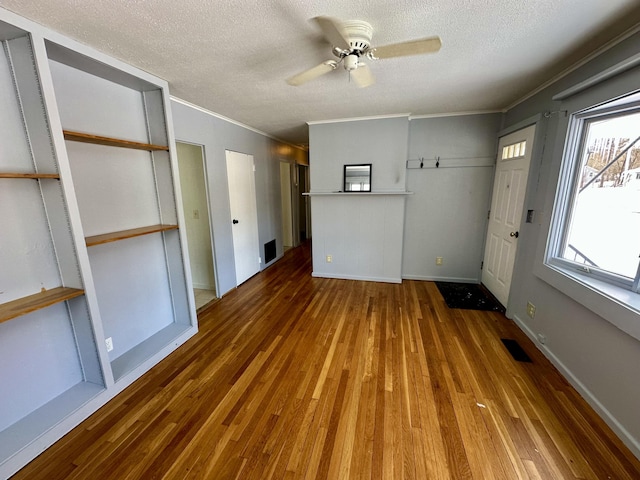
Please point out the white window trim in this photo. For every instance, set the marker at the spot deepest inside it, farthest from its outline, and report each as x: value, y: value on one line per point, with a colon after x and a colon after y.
x: 615, y: 304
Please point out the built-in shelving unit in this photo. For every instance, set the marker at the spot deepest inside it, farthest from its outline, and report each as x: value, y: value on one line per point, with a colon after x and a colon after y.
x: 49, y: 360
x: 114, y: 190
x: 31, y: 303
x: 116, y: 138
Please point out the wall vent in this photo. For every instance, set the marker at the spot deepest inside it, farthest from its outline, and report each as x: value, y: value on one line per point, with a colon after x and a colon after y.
x: 269, y: 251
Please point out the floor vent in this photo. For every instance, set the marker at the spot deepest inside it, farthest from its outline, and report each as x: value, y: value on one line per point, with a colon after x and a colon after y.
x: 516, y: 350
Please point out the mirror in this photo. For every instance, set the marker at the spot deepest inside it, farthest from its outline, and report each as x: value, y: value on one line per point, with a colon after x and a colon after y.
x: 357, y: 178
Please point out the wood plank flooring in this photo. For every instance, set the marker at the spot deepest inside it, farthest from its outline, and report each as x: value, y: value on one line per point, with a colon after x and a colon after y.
x: 294, y: 377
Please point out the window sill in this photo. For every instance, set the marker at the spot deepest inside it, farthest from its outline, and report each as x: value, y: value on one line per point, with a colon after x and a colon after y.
x: 617, y: 305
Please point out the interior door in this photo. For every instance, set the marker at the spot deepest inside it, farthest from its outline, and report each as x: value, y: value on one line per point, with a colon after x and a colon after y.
x: 244, y: 214
x: 285, y: 199
x: 509, y: 187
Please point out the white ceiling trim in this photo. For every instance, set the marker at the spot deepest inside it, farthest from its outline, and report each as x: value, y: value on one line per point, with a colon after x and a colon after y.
x: 611, y: 72
x: 359, y: 119
x: 234, y: 122
x: 454, y: 114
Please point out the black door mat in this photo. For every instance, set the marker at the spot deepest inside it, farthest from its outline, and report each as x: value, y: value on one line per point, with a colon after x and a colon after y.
x: 468, y: 296
x: 515, y: 350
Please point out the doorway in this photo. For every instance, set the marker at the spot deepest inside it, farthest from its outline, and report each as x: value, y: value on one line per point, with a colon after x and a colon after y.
x: 195, y: 204
x: 287, y: 210
x: 304, y: 212
x: 244, y: 214
x: 507, y: 202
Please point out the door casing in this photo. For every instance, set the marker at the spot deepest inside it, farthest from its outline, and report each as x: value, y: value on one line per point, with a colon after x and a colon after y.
x: 244, y: 214
x: 507, y: 203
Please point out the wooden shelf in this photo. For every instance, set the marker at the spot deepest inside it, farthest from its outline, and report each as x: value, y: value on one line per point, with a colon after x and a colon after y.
x: 29, y: 304
x: 29, y: 175
x: 134, y: 232
x: 111, y: 142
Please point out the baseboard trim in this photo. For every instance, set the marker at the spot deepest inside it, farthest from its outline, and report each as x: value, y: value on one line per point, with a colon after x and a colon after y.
x: 629, y: 440
x: 431, y: 278
x: 357, y: 277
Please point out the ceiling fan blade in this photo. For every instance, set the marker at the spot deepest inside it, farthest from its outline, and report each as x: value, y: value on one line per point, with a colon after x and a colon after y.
x: 312, y: 73
x: 333, y: 32
x: 415, y: 47
x: 363, y: 76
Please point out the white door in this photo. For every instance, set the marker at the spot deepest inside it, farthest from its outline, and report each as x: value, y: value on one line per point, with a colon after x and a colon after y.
x: 244, y: 214
x: 509, y: 186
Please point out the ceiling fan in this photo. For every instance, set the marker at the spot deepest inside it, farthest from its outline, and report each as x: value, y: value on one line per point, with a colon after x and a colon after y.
x: 351, y: 41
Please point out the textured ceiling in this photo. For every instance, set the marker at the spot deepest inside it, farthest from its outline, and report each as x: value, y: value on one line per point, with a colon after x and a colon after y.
x: 232, y: 57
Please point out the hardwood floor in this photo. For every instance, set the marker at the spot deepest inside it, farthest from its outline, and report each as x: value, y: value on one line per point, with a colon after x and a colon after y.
x: 299, y: 377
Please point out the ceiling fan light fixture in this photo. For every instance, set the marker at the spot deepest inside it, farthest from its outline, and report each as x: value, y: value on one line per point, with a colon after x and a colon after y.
x: 351, y: 41
x: 350, y: 62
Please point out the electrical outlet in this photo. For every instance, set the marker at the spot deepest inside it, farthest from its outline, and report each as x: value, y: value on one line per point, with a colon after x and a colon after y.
x: 439, y: 260
x: 531, y: 309
x: 329, y: 258
x: 109, y: 343
x: 542, y: 338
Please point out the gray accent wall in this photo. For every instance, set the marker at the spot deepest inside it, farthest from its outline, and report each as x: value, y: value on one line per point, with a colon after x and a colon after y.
x: 192, y: 125
x: 447, y: 214
x: 358, y: 235
x: 381, y: 142
x: 599, y: 359
x: 390, y: 237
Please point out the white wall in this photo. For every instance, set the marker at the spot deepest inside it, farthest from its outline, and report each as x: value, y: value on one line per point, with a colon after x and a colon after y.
x: 361, y: 232
x: 447, y: 214
x: 600, y: 360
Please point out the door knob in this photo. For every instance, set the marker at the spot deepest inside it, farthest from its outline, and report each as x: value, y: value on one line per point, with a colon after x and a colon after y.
x: 235, y: 221
x: 514, y: 234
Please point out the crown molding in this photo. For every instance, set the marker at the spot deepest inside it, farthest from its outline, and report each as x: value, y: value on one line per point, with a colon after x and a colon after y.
x: 454, y: 114
x: 359, y: 119
x: 232, y: 121
x: 596, y: 53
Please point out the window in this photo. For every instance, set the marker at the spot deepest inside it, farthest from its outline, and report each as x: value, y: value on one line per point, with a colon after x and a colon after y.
x: 514, y: 150
x: 598, y: 207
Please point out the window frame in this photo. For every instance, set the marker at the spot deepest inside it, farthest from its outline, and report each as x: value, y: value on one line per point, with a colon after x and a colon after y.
x: 570, y: 174
x: 614, y: 304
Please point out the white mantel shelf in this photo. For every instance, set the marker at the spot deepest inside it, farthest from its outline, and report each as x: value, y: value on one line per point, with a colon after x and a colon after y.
x: 353, y: 194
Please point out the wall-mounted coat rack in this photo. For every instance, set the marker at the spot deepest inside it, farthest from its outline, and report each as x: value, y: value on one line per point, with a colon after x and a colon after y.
x: 440, y: 162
